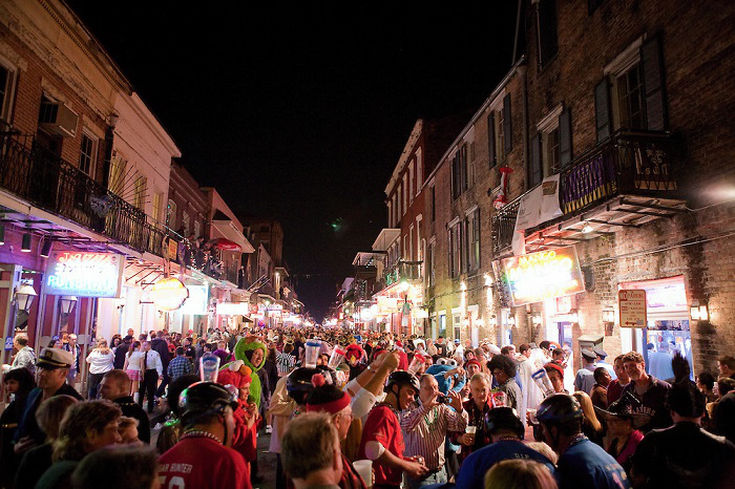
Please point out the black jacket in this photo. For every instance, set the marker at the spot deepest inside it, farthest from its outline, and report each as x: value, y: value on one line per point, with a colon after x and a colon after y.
x: 120, y: 352
x: 132, y: 409
x: 160, y: 345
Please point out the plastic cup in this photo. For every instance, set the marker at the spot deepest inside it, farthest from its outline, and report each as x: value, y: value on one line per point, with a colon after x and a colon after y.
x: 312, y: 353
x: 416, y: 363
x: 338, y: 355
x: 499, y: 399
x: 470, y: 430
x: 532, y: 416
x: 209, y: 367
x: 541, y: 377
x: 365, y: 469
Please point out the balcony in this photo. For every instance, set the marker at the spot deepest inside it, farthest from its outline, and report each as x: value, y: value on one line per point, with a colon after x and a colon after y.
x: 625, y: 182
x: 403, y: 270
x: 52, y: 184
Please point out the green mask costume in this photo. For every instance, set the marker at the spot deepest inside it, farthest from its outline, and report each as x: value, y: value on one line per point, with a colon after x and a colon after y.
x: 243, y: 348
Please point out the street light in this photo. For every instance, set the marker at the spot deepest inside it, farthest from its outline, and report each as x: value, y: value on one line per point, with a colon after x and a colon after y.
x: 67, y: 303
x: 24, y: 296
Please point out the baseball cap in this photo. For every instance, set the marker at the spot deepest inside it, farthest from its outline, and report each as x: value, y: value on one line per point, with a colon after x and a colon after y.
x: 53, y: 358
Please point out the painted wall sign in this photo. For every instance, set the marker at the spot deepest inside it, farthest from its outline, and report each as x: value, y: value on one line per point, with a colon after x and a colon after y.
x: 84, y: 274
x: 169, y: 294
x: 198, y: 301
x: 632, y: 307
x: 543, y: 275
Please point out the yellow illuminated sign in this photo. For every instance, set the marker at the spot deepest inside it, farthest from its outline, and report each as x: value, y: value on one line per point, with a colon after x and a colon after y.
x: 543, y: 275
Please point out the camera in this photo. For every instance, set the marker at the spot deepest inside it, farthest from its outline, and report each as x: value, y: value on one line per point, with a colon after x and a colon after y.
x: 443, y: 399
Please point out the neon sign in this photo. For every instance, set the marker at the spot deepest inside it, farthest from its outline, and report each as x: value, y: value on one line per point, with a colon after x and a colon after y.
x: 198, y: 301
x: 169, y: 294
x: 539, y: 276
x: 84, y: 274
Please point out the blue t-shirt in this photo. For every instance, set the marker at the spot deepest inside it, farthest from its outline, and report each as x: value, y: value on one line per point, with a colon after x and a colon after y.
x: 472, y: 472
x: 586, y: 465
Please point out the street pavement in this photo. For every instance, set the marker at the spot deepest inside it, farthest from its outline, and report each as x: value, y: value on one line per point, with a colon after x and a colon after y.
x: 266, y: 463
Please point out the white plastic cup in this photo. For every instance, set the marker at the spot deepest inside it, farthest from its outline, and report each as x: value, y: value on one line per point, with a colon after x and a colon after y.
x: 312, y: 353
x: 470, y: 430
x: 418, y: 360
x: 338, y: 354
x: 541, y: 377
x: 209, y: 367
x: 365, y: 469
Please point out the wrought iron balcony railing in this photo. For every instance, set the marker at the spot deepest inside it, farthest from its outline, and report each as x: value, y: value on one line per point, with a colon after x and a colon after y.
x: 403, y: 270
x: 49, y: 182
x: 504, y: 222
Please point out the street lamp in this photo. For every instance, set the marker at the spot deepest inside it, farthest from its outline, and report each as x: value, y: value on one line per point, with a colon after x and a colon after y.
x: 67, y: 303
x: 24, y: 296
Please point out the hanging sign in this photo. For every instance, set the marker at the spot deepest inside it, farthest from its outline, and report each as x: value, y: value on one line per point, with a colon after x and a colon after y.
x: 172, y: 249
x: 632, y: 307
x: 169, y: 294
x: 84, y: 274
x: 536, y: 277
x: 198, y: 301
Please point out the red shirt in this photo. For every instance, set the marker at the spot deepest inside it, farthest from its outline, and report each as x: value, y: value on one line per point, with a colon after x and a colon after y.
x: 245, y: 439
x: 382, y: 425
x: 202, y: 462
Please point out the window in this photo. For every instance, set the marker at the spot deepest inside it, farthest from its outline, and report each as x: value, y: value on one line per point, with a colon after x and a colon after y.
x: 473, y: 253
x: 471, y: 165
x: 400, y: 202
x: 455, y: 249
x: 116, y: 180
x: 546, y: 31
x: 404, y: 255
x: 433, y: 203
x: 157, y: 208
x: 171, y: 214
x: 459, y: 171
x: 6, y: 92
x: 430, y: 258
x: 141, y: 188
x: 197, y: 229
x: 551, y: 147
x: 411, y: 181
x: 87, y: 155
x: 410, y: 243
x: 186, y: 224
x: 629, y: 91
x: 419, y: 170
x: 405, y: 194
x: 390, y: 214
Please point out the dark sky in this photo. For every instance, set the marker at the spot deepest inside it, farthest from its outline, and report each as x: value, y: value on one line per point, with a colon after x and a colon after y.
x: 300, y: 111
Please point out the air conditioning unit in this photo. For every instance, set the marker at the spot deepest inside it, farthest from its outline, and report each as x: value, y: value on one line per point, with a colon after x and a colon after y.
x: 57, y: 118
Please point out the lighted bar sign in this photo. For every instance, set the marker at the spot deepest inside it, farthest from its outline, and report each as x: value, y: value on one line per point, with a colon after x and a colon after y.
x: 543, y: 275
x: 84, y: 274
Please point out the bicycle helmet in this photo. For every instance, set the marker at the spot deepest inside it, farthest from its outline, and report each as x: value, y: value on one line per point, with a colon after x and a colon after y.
x: 559, y: 409
x: 401, y: 378
x: 203, y: 398
x: 504, y: 418
x: 299, y: 383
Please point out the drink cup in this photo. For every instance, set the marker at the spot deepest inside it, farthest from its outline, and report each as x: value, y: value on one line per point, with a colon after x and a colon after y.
x: 541, y: 377
x: 471, y: 430
x: 338, y: 355
x: 499, y: 399
x: 209, y: 367
x: 532, y: 416
x: 365, y: 469
x: 416, y: 363
x: 312, y: 353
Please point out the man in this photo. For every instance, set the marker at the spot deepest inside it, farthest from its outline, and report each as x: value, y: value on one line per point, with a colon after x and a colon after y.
x: 180, y: 365
x: 556, y: 377
x: 189, y: 350
x: 647, y: 393
x: 525, y: 350
x: 121, y: 351
x: 582, y: 464
x: 509, y: 351
x: 152, y: 370
x: 441, y: 347
x: 311, y: 452
x: 599, y: 391
x: 472, y: 367
x: 601, y: 356
x: 458, y: 350
x: 203, y: 457
x: 615, y: 389
x: 72, y: 347
x: 425, y: 430
x: 115, y: 387
x: 684, y: 455
x: 585, y: 380
x: 159, y: 344
x: 506, y: 432
x: 503, y: 370
x: 53, y: 369
x: 382, y: 439
x: 659, y: 362
x: 477, y: 408
x: 723, y: 416
x: 130, y: 336
x: 25, y: 356
x: 546, y: 350
x: 726, y: 364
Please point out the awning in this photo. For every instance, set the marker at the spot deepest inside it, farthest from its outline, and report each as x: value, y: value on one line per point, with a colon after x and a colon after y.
x: 226, y: 229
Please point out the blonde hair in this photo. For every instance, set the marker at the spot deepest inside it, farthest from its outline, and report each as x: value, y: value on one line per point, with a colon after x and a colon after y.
x: 481, y: 377
x: 588, y: 409
x: 126, y: 422
x: 519, y: 474
x: 79, y: 420
x: 50, y: 413
x: 102, y: 345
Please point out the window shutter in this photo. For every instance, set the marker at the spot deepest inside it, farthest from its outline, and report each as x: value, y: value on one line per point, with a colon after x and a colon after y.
x: 565, y: 137
x: 602, y: 110
x: 653, y: 82
x: 535, y: 171
x: 507, y: 125
x: 491, y: 139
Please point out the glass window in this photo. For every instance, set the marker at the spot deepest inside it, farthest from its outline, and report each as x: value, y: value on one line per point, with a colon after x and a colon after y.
x: 86, y: 155
x: 630, y: 99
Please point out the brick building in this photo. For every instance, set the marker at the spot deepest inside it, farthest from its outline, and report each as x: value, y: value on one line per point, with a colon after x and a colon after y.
x: 633, y: 133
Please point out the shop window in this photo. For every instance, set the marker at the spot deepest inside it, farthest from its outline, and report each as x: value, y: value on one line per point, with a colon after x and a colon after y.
x: 87, y: 154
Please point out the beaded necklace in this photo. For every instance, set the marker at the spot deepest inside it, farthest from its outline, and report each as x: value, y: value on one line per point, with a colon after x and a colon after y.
x: 430, y: 424
x: 201, y: 434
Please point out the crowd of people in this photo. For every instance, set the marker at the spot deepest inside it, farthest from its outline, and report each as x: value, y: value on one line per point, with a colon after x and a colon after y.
x: 358, y: 410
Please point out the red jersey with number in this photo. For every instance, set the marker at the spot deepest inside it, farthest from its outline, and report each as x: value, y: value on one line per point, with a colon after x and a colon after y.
x: 382, y: 425
x: 200, y: 462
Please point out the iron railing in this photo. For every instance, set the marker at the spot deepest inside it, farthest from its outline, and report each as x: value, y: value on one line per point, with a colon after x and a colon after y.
x: 403, y: 270
x: 504, y: 222
x: 47, y: 181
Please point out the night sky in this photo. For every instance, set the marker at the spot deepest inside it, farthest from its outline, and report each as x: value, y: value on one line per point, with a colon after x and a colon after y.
x: 300, y: 111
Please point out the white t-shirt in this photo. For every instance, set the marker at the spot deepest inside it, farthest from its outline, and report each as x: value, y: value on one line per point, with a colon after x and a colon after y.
x: 99, y: 362
x: 135, y: 360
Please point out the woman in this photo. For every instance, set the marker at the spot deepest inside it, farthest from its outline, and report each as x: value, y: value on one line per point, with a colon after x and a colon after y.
x: 622, y: 438
x: 100, y: 360
x: 38, y: 459
x: 17, y: 383
x: 519, y: 474
x: 133, y: 367
x: 591, y: 426
x: 86, y: 427
x: 285, y: 360
x: 128, y: 429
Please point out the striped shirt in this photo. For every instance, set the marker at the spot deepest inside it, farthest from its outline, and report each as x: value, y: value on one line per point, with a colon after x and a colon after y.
x: 425, y: 432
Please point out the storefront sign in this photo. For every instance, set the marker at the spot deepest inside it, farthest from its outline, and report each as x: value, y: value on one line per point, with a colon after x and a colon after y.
x: 387, y: 305
x: 632, y: 306
x: 172, y: 248
x: 198, y: 301
x: 169, y: 294
x: 232, y: 309
x: 539, y: 276
x: 84, y: 274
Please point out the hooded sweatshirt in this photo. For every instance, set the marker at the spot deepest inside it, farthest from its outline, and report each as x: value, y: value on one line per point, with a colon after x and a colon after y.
x: 243, y: 351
